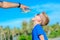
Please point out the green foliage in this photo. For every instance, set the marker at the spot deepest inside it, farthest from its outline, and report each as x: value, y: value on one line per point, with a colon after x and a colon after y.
x: 25, y: 37
x: 22, y: 37
x: 53, y: 34
x: 25, y: 31
x: 55, y: 31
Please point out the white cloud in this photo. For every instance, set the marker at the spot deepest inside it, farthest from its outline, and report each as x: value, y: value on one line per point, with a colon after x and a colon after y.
x: 46, y: 7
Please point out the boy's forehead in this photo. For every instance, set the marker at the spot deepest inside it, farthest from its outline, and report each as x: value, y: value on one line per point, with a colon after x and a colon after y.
x: 38, y: 15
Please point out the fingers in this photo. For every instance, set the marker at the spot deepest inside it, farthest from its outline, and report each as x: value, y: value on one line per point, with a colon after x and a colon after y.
x: 25, y: 8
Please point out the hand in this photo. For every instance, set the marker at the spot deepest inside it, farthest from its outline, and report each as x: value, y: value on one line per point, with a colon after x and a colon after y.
x: 24, y: 8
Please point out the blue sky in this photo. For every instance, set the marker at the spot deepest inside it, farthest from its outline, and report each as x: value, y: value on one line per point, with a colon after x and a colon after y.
x: 14, y: 16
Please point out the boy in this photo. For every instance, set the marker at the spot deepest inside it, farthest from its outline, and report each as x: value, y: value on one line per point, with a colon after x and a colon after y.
x: 39, y: 20
x: 4, y: 4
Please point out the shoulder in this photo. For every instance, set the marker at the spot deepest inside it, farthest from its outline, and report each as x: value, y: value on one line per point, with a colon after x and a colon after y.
x: 38, y: 26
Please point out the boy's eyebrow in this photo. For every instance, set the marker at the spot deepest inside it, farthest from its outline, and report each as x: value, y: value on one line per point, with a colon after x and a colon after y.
x: 38, y: 14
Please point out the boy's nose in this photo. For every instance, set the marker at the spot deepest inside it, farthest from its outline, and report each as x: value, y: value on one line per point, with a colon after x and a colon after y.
x: 33, y: 19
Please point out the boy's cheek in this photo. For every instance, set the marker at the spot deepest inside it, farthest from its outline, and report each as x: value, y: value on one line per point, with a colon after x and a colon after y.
x: 38, y: 19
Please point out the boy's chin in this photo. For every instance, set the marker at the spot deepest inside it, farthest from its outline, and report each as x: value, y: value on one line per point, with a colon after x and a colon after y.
x: 32, y: 20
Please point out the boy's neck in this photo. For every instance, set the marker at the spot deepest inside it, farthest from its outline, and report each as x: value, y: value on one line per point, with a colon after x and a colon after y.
x: 35, y: 23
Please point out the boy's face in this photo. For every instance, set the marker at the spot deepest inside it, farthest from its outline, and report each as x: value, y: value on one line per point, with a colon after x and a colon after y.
x: 37, y: 18
x: 41, y: 18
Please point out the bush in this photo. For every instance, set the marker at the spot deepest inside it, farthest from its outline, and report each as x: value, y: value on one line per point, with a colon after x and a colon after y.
x: 25, y: 37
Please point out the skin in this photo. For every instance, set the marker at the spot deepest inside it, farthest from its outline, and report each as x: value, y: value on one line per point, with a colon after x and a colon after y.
x: 11, y: 5
x: 37, y: 20
x: 41, y: 37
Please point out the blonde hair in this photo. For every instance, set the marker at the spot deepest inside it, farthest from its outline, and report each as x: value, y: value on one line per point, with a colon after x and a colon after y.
x: 44, y: 18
